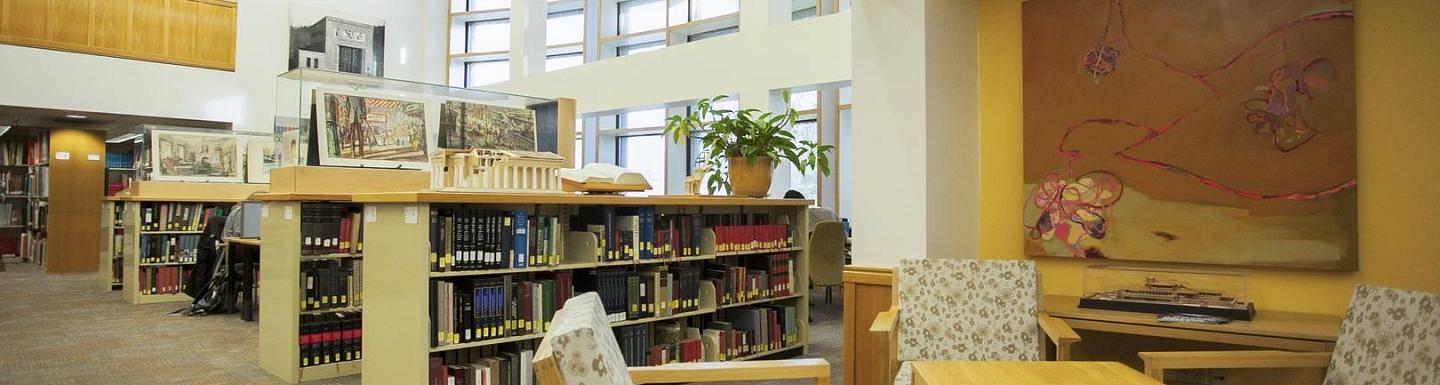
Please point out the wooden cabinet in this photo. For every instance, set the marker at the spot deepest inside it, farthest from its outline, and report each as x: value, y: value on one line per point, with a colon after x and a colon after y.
x: 867, y: 293
x: 197, y: 33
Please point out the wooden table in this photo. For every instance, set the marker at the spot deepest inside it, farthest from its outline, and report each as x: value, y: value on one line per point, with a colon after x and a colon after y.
x: 1027, y: 373
x: 244, y: 262
x: 1270, y: 329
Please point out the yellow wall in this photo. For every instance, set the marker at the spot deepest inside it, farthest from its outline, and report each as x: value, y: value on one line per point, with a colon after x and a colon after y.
x: 1398, y: 84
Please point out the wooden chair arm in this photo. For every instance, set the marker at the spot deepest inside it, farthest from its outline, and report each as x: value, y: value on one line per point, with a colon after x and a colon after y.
x: 1060, y: 334
x: 807, y: 368
x: 885, y: 321
x: 1156, y: 363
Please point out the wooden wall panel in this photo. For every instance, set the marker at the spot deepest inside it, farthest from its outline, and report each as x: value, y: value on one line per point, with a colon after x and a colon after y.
x: 867, y: 293
x: 215, y: 37
x: 76, y: 195
x: 198, y: 33
x: 147, y: 26
x: 109, y: 24
x: 180, y: 37
x: 26, y: 18
x: 69, y: 21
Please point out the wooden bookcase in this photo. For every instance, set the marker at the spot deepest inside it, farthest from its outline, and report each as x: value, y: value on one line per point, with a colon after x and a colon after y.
x: 280, y: 292
x: 224, y: 194
x: 110, y: 249
x: 280, y: 245
x: 397, y: 330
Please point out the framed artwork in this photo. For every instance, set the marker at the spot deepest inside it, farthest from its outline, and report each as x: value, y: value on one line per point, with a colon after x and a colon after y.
x: 1213, y: 132
x: 194, y: 156
x: 335, y: 41
x: 260, y: 158
x: 367, y: 129
x: 471, y: 125
x: 290, y: 141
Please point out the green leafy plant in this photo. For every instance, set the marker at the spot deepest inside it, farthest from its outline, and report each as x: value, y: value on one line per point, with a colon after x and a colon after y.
x: 747, y: 133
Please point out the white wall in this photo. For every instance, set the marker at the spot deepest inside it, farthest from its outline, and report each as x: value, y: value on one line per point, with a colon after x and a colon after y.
x: 914, y: 165
x: 414, y: 50
x: 761, y: 57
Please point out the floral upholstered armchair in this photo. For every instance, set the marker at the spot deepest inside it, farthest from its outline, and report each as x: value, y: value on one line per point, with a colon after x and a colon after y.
x: 580, y: 349
x: 967, y: 310
x: 1389, y: 336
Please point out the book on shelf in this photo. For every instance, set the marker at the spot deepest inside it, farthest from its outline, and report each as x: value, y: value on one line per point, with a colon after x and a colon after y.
x: 331, y: 284
x: 34, y: 150
x: 156, y: 216
x: 119, y: 160
x: 467, y: 239
x: 327, y: 338
x: 12, y: 214
x: 477, y: 309
x: 748, y: 278
x: 640, y: 233
x: 604, y: 173
x: 489, y: 366
x: 163, y: 279
x: 168, y: 248
x: 330, y: 228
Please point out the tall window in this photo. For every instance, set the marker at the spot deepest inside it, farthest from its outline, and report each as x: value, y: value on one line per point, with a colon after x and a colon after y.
x: 641, y: 15
x: 566, y: 27
x: 477, y: 5
x: 626, y: 50
x: 479, y: 73
x: 562, y: 61
x: 487, y: 35
x: 705, y: 9
x: 806, y: 103
x: 645, y: 154
x: 351, y: 59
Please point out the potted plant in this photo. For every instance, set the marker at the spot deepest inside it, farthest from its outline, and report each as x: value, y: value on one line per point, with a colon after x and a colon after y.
x: 744, y: 146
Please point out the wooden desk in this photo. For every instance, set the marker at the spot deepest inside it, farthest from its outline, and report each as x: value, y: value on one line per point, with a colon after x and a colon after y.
x: 1270, y: 329
x: 1027, y: 373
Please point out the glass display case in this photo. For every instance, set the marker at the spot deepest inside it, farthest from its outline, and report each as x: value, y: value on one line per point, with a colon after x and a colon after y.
x: 364, y: 121
x: 1162, y: 290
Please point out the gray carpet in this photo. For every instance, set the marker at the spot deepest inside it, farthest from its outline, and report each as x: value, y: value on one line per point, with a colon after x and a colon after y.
x: 62, y: 330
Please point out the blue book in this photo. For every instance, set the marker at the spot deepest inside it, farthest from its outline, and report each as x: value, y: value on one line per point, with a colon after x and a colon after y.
x: 522, y: 244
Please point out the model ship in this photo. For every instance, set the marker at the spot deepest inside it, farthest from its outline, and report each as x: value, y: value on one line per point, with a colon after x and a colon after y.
x: 1169, y: 296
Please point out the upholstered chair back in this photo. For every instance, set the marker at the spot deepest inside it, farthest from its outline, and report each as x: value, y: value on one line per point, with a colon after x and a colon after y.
x: 1389, y: 336
x: 827, y: 254
x: 584, y: 349
x: 967, y: 310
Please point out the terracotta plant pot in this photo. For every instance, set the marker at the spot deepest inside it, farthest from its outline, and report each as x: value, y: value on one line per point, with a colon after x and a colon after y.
x: 750, y: 177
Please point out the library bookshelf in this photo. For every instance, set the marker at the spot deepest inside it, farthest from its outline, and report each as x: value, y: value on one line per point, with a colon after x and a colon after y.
x: 132, y: 204
x: 399, y: 340
x: 281, y: 250
x: 112, y: 243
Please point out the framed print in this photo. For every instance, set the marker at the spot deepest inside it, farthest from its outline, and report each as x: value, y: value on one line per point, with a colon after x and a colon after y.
x: 260, y: 157
x: 472, y: 125
x: 368, y: 129
x: 194, y: 156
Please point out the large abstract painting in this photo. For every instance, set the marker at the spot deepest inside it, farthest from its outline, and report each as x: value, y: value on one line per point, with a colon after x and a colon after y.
x: 371, y: 130
x: 469, y: 125
x: 194, y: 156
x: 1215, y: 132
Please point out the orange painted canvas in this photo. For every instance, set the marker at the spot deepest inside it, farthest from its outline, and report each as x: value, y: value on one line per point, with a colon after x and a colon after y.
x: 1211, y: 131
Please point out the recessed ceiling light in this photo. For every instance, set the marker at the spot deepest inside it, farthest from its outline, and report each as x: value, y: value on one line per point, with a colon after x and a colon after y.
x: 73, y: 116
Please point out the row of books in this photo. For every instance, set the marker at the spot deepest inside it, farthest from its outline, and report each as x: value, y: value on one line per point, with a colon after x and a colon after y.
x: 117, y: 269
x: 26, y: 182
x: 655, y: 291
x: 484, y: 367
x: 748, y: 278
x: 331, y: 284
x: 752, y: 237
x: 38, y: 214
x: 737, y: 333
x: 119, y: 160
x: 12, y: 214
x: 479, y: 309
x: 463, y: 238
x: 639, y: 233
x: 32, y: 247
x: 330, y: 228
x: 32, y: 151
x: 168, y: 248
x: 163, y: 279
x: 176, y: 216
x: 329, y: 338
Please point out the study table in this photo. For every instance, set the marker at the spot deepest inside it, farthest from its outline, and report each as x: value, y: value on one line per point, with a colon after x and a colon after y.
x: 1300, y: 332
x: 245, y: 262
x: 1027, y: 373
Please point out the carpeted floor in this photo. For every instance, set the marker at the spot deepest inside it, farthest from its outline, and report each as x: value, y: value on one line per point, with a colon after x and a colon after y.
x: 62, y: 330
